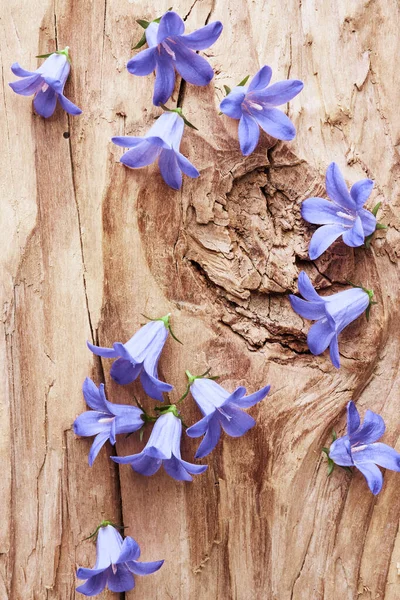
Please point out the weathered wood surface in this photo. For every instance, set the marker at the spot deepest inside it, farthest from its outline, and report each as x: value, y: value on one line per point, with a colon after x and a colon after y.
x: 86, y: 246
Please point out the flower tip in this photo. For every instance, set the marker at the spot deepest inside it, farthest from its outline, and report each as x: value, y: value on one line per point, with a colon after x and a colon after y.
x: 218, y: 27
x: 313, y: 254
x: 291, y: 299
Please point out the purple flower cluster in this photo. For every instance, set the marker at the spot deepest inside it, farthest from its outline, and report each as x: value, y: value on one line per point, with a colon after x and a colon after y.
x: 117, y: 558
x: 139, y: 357
x: 254, y: 106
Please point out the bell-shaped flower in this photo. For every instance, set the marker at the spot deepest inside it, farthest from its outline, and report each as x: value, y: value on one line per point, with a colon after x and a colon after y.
x: 343, y: 216
x: 139, y: 357
x: 360, y: 448
x: 170, y: 50
x: 105, y: 420
x: 161, y: 142
x: 116, y: 564
x: 47, y: 84
x: 331, y: 313
x: 255, y: 106
x: 163, y: 448
x: 220, y: 409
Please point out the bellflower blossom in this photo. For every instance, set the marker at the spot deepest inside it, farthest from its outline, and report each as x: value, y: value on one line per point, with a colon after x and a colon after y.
x: 163, y: 448
x: 170, y: 50
x: 220, y: 409
x: 161, y: 142
x: 360, y: 449
x: 116, y: 564
x: 332, y: 313
x: 343, y: 216
x: 106, y: 420
x: 46, y: 83
x: 255, y: 107
x: 139, y: 356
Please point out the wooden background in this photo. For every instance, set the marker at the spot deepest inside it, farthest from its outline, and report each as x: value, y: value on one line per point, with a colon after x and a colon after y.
x: 87, y: 245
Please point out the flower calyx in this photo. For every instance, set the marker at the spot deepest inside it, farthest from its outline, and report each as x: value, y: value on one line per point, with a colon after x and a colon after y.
x: 64, y: 52
x: 104, y: 524
x: 167, y: 323
x: 370, y: 296
x: 331, y: 464
x: 192, y: 378
x: 241, y: 84
x: 379, y: 226
x: 179, y: 111
x: 143, y: 23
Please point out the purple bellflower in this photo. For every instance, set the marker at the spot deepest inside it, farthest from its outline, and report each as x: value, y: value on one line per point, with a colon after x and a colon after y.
x: 343, y: 216
x: 360, y: 449
x: 255, y: 106
x: 163, y: 448
x: 140, y: 356
x: 46, y: 83
x: 220, y: 409
x: 170, y: 50
x: 161, y: 142
x: 116, y: 563
x: 331, y: 313
x: 106, y: 420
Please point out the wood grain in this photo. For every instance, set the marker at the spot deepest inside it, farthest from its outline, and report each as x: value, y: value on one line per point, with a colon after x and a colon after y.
x: 86, y: 246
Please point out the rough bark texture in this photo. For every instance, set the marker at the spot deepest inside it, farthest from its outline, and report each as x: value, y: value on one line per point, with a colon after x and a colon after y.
x: 87, y: 245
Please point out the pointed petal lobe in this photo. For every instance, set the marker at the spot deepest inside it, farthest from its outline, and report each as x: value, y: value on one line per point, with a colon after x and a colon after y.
x: 45, y: 102
x: 306, y: 288
x: 373, y: 476
x: 323, y: 212
x: 278, y: 93
x: 378, y: 453
x: 274, y: 122
x: 319, y: 336
x: 340, y: 452
x: 308, y: 310
x: 144, y: 568
x: 249, y: 134
x: 323, y: 238
x: 231, y: 105
x: 192, y: 67
x: 372, y: 428
x: 354, y: 237
x: 204, y: 37
x: 210, y: 440
x: 165, y: 78
x: 261, y: 79
x: 170, y: 170
x: 361, y: 191
x: 143, y: 63
x: 252, y: 399
x: 337, y: 188
x: 171, y: 24
x: 353, y: 419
